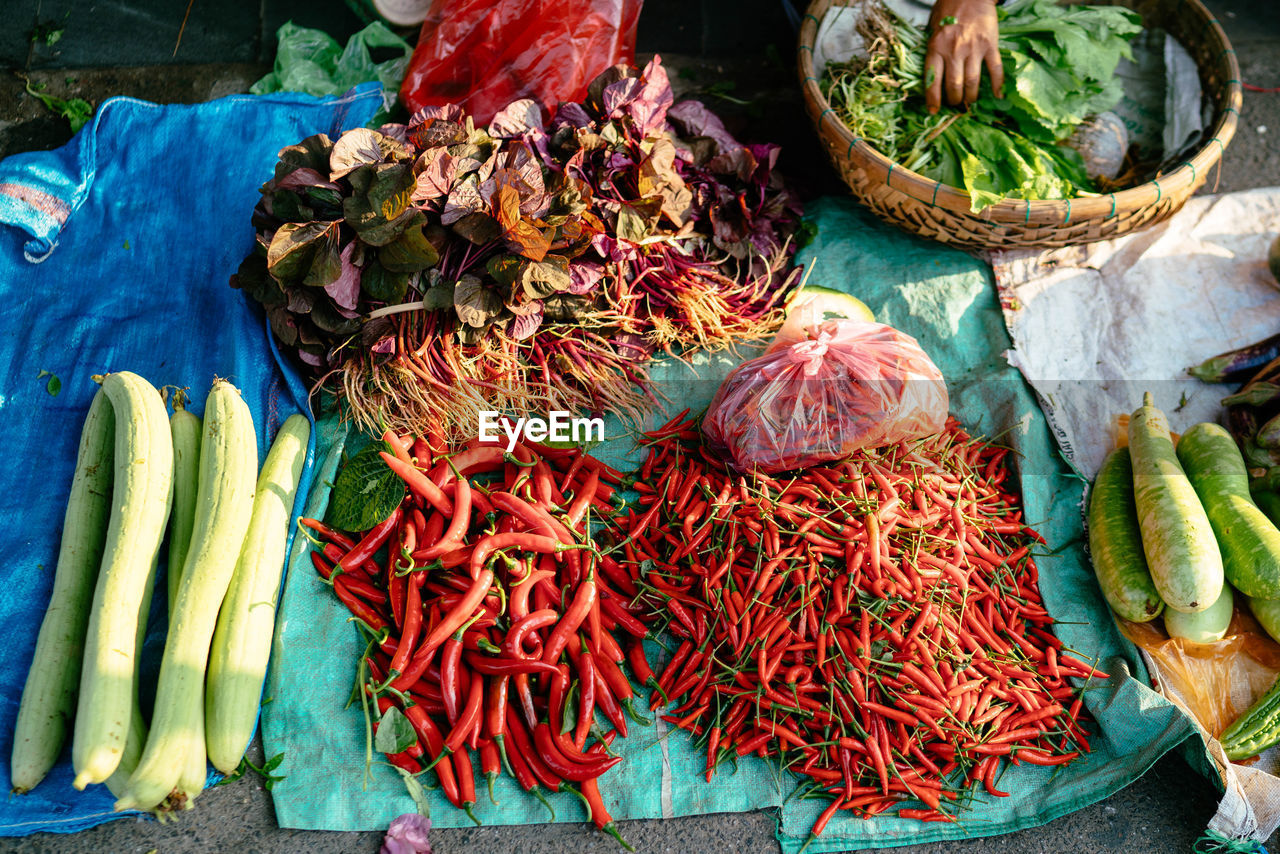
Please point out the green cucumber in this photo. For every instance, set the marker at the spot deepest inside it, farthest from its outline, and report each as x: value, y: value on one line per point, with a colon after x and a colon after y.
x: 1205, y: 626
x: 1176, y: 535
x: 1248, y: 540
x: 141, y: 492
x: 49, y: 697
x: 1115, y: 542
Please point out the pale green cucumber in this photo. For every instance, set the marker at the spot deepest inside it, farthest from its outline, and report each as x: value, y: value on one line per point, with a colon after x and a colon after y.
x: 141, y: 491
x: 1204, y: 626
x: 185, y: 429
x: 1248, y: 540
x: 228, y: 467
x: 49, y: 697
x: 1177, y: 538
x: 242, y: 642
x: 1115, y: 542
x: 137, y: 736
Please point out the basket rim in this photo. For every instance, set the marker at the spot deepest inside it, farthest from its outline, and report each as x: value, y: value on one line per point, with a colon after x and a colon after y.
x: 1022, y: 211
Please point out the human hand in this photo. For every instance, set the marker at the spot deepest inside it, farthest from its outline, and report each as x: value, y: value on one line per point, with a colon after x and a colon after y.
x: 963, y: 37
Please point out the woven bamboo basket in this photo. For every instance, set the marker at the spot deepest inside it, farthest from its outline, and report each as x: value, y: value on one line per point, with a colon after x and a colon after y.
x: 941, y: 212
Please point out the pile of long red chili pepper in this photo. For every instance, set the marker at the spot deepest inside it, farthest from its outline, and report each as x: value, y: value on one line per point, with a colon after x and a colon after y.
x: 490, y: 617
x: 874, y: 623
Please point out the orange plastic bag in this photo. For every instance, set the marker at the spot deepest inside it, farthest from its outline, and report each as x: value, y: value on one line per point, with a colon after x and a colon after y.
x: 484, y: 54
x: 1215, y: 682
x: 849, y: 385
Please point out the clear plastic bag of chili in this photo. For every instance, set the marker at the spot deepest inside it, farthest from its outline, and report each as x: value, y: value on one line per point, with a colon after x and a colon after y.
x: 848, y: 385
x: 484, y: 54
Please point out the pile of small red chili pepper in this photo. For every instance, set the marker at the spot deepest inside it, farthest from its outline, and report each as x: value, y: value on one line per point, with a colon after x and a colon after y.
x: 489, y: 616
x: 875, y: 623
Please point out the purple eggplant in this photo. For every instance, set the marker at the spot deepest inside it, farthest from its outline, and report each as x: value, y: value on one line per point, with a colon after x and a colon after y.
x: 1237, y: 365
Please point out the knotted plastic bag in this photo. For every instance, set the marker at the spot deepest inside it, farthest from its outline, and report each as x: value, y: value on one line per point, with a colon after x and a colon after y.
x: 848, y: 385
x: 484, y: 54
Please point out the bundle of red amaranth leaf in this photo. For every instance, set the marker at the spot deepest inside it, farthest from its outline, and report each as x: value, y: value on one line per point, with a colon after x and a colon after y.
x: 431, y: 270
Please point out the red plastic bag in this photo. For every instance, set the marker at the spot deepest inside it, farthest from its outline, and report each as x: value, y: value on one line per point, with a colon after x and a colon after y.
x: 484, y: 54
x: 851, y: 385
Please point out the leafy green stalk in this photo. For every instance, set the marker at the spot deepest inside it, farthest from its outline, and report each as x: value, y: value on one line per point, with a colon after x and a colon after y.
x: 1059, y: 63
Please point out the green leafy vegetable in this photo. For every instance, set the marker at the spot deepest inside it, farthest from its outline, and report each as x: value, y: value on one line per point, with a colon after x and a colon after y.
x: 76, y: 111
x: 54, y: 385
x: 1059, y: 64
x: 365, y: 492
x: 395, y: 733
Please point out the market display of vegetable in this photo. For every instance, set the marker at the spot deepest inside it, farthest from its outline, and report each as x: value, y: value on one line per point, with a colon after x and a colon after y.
x: 1115, y: 542
x: 495, y: 622
x: 427, y: 271
x: 246, y: 622
x: 142, y: 478
x: 49, y: 696
x: 1059, y: 63
x: 875, y: 622
x: 1177, y: 538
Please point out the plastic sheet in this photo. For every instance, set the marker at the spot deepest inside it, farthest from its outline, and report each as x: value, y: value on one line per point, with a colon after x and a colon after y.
x: 484, y: 54
x: 850, y: 385
x: 311, y: 61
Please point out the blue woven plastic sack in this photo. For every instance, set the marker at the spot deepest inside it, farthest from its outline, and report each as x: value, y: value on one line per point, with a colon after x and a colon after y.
x: 115, y: 255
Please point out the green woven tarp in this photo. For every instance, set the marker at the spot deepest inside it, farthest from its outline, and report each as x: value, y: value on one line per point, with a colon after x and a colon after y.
x: 945, y: 299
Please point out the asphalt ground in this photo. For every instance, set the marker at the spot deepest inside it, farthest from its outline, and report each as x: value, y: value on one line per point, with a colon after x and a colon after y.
x: 737, y: 56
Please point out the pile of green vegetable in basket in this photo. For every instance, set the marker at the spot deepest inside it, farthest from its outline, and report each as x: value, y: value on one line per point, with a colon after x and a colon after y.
x: 138, y: 472
x: 1059, y: 65
x: 426, y: 271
